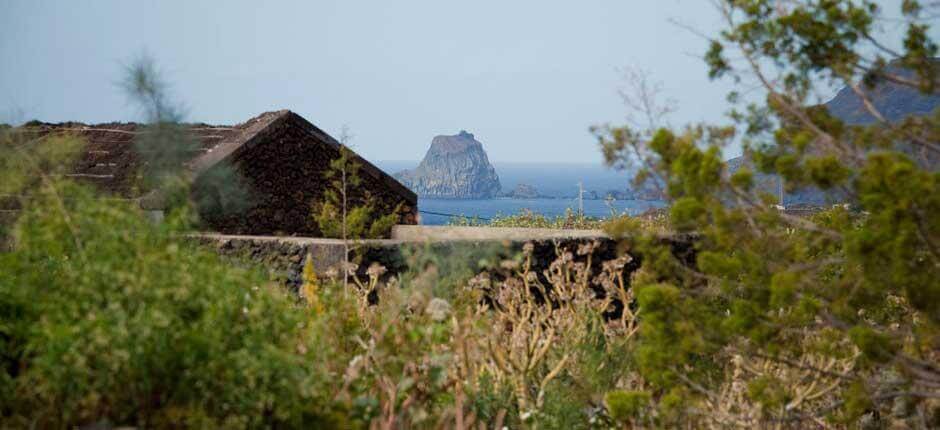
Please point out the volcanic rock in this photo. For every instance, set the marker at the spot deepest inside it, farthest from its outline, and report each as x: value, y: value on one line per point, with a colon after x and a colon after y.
x: 523, y: 191
x: 455, y: 167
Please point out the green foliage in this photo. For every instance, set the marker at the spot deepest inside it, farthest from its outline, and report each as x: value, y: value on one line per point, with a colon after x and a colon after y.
x: 26, y: 162
x: 858, y: 284
x: 341, y: 215
x: 782, y: 320
x: 686, y: 213
x: 164, y: 144
x: 528, y: 219
x: 857, y: 402
x: 490, y: 399
x: 441, y: 270
x: 670, y: 338
x: 626, y: 406
x: 874, y: 346
x: 109, y: 317
x: 21, y: 153
x: 769, y: 392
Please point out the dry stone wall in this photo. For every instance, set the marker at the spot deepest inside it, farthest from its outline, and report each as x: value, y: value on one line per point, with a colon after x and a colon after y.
x: 284, y: 257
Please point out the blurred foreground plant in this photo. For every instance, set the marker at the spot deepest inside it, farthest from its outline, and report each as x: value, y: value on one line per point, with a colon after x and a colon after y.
x: 108, y: 318
x: 848, y: 298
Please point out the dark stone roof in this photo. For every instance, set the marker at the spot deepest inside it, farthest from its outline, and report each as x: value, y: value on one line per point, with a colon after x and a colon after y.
x: 110, y: 161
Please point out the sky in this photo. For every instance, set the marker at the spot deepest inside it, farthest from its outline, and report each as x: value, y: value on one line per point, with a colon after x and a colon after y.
x: 527, y: 77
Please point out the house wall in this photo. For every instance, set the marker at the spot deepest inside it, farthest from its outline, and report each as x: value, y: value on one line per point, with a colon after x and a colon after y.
x: 275, y: 182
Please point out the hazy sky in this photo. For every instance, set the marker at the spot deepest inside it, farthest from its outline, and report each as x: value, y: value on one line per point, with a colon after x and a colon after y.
x: 526, y: 77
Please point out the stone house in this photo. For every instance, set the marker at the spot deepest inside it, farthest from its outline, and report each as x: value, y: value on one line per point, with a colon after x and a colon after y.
x: 274, y: 162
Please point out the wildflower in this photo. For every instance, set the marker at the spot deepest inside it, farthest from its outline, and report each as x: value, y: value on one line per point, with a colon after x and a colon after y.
x: 528, y: 248
x: 531, y: 277
x: 514, y: 283
x: 351, y: 268
x: 505, y: 296
x: 310, y: 290
x: 352, y: 371
x: 554, y: 277
x: 586, y: 248
x: 615, y: 327
x: 579, y: 267
x: 438, y: 309
x: 621, y: 262
x: 376, y: 270
x: 481, y: 281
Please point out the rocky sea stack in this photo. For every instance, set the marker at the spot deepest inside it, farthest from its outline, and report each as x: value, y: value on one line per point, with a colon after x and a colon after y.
x: 523, y: 191
x: 455, y: 167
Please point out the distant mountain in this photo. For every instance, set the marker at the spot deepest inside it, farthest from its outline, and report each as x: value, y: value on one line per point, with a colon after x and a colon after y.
x: 455, y: 167
x: 894, y: 101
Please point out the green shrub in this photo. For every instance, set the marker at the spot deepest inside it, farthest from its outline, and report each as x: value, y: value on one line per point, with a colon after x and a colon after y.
x: 106, y: 317
x: 626, y: 406
x: 528, y: 219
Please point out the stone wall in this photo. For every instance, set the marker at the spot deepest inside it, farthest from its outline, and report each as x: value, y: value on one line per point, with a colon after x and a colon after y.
x: 284, y: 257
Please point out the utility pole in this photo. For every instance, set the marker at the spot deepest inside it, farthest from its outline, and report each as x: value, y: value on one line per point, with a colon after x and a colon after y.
x: 581, y: 199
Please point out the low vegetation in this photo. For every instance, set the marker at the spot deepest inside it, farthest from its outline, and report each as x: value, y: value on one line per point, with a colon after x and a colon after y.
x: 780, y: 321
x: 155, y: 332
x: 653, y: 220
x: 527, y: 218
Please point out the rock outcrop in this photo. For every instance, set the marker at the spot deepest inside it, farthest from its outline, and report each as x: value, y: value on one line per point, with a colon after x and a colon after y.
x: 523, y: 191
x: 455, y: 167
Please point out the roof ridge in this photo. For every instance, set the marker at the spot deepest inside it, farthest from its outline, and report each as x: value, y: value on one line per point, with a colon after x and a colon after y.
x: 243, y: 133
x: 367, y: 166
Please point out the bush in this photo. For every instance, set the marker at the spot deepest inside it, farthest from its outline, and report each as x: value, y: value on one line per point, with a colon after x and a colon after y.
x: 107, y: 317
x: 794, y: 318
x: 626, y: 406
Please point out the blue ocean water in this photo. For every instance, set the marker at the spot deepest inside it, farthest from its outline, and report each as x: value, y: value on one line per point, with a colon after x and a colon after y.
x: 557, y: 180
x: 548, y: 207
x: 550, y: 179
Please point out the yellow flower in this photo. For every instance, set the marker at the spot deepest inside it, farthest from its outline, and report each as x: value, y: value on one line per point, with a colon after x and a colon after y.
x: 310, y: 289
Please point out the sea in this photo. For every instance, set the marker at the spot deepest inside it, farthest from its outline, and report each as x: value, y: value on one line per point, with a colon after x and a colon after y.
x: 558, y: 181
x: 440, y: 212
